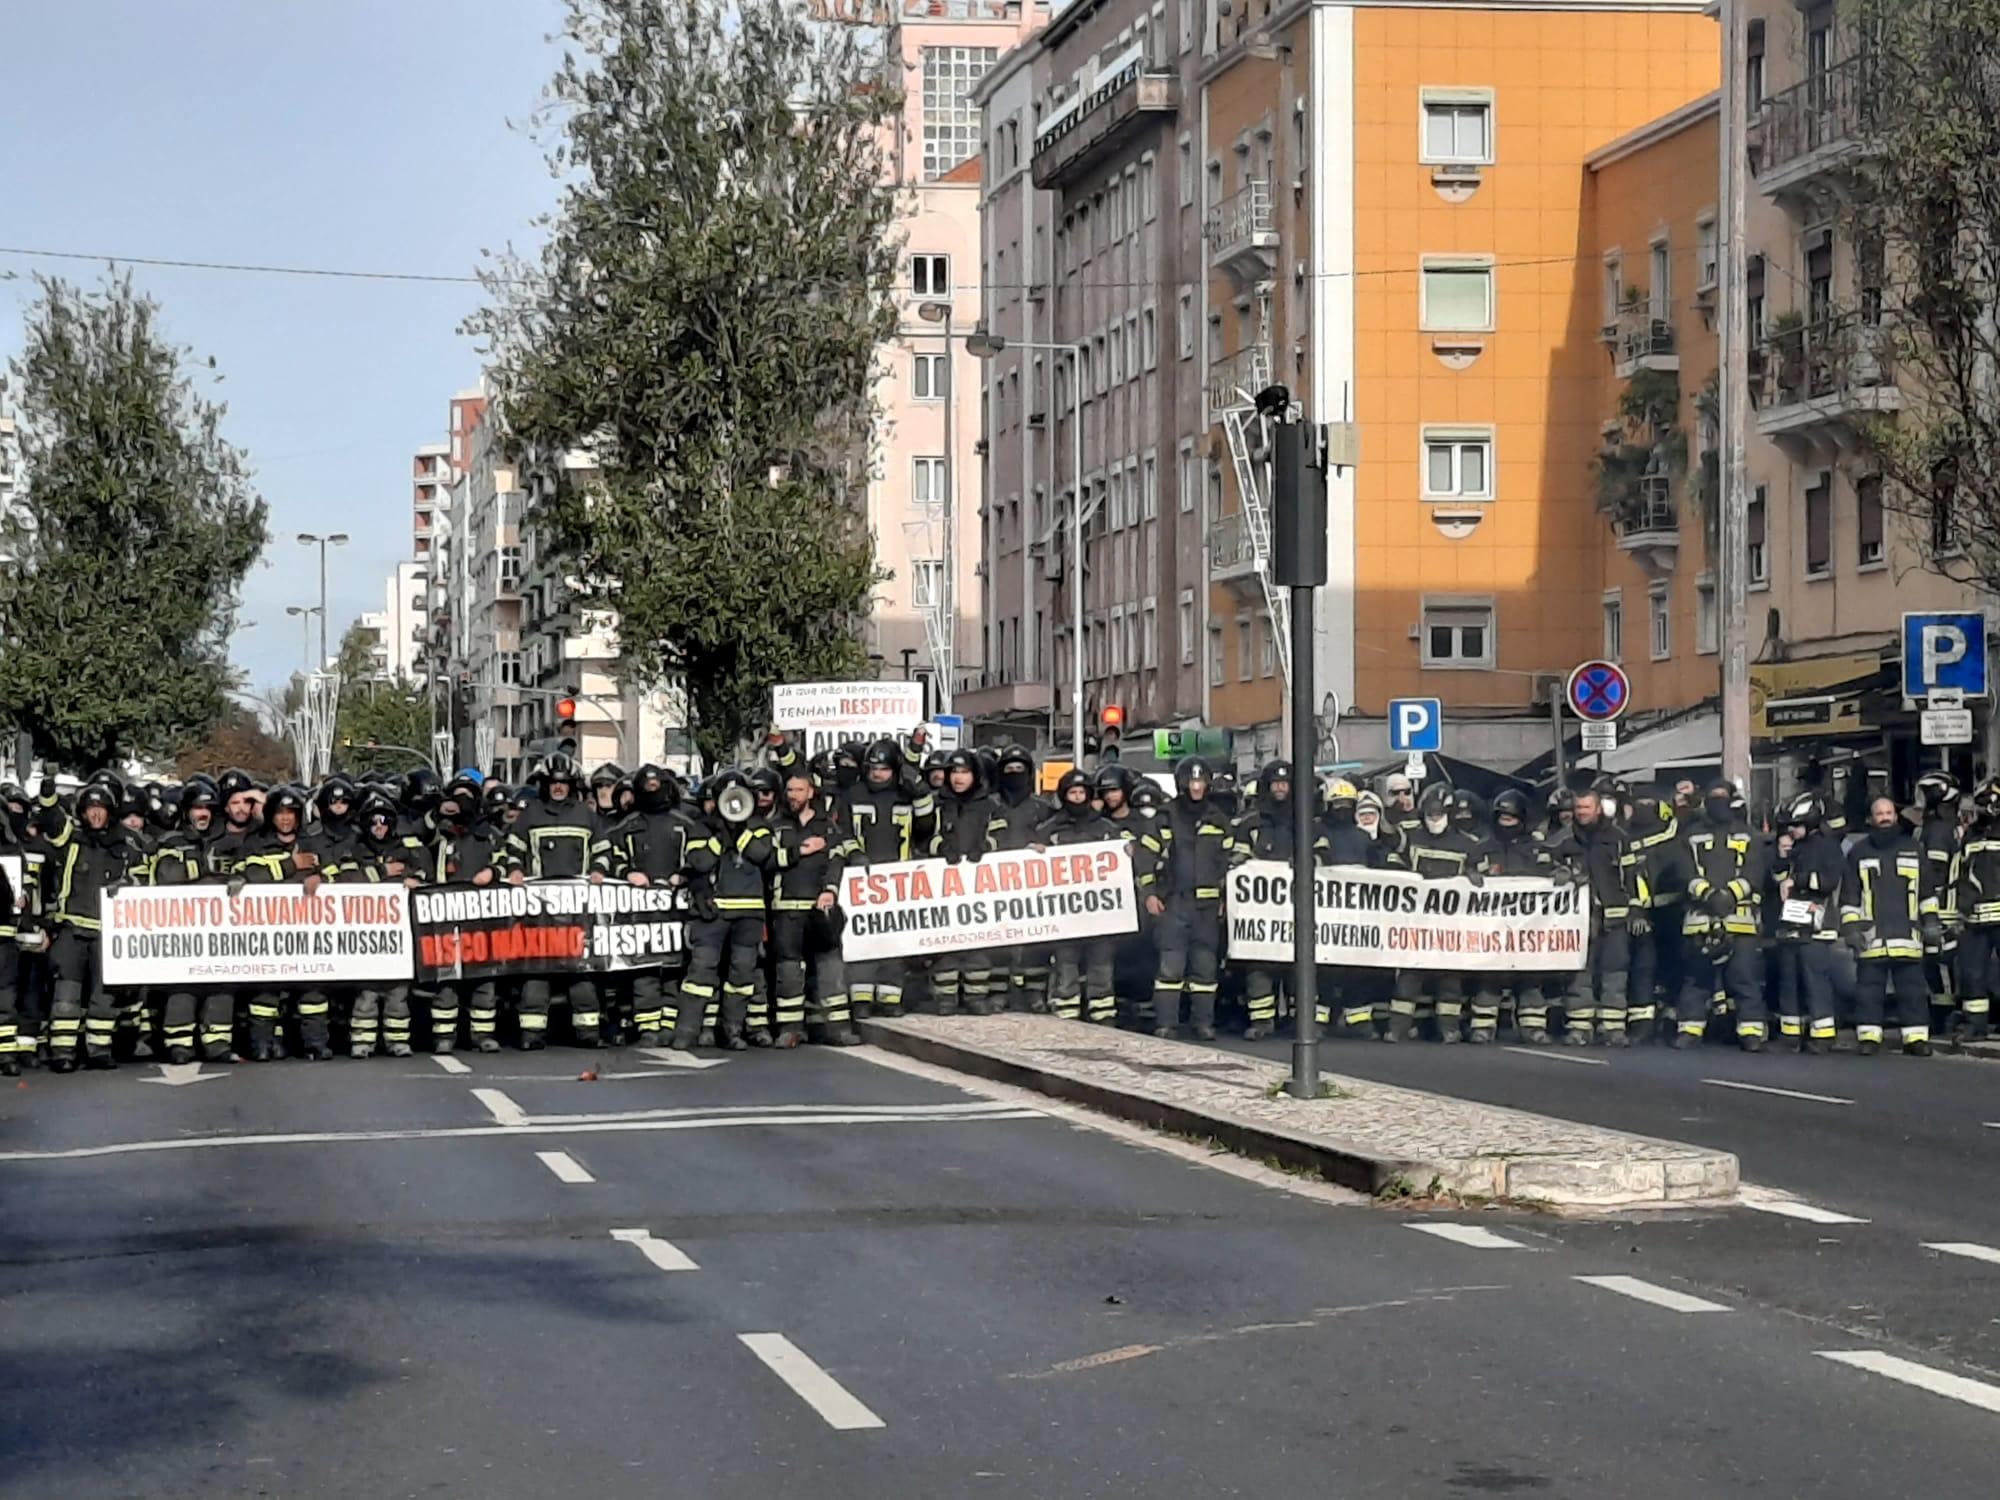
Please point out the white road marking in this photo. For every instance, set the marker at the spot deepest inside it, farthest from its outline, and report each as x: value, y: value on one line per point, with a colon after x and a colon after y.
x: 449, y: 1063
x: 675, y: 1059
x: 605, y: 1118
x: 1767, y: 1202
x: 503, y: 1109
x: 695, y: 1120
x: 1765, y: 1088
x: 664, y: 1254
x: 178, y: 1075
x: 1938, y: 1382
x: 1550, y: 1054
x: 809, y: 1382
x: 1969, y: 1251
x: 1659, y: 1296
x: 1472, y: 1236
x: 566, y: 1167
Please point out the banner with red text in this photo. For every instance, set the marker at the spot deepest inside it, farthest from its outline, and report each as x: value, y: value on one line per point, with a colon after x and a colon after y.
x: 927, y: 906
x: 1390, y: 919
x: 545, y: 927
x: 264, y: 934
x: 825, y: 714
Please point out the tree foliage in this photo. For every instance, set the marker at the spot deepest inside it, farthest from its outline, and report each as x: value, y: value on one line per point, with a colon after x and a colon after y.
x: 703, y: 321
x: 1650, y: 444
x: 379, y: 722
x: 238, y: 739
x: 129, y: 541
x: 1920, y: 92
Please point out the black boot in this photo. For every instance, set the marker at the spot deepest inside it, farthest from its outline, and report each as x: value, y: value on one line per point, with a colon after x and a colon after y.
x: 9, y: 1066
x: 179, y: 1055
x: 101, y: 1062
x: 1917, y: 1049
x: 1256, y: 1031
x: 790, y: 1035
x: 759, y: 1036
x: 734, y: 1040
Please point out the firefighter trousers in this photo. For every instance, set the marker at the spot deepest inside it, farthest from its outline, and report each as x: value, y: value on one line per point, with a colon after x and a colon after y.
x: 81, y: 1009
x: 446, y: 1008
x: 876, y: 987
x: 1080, y: 982
x: 1875, y: 981
x: 538, y: 994
x: 1805, y: 990
x: 725, y: 978
x: 205, y: 1021
x: 1978, y: 960
x: 1734, y: 974
x: 1189, y: 934
x: 1595, y: 996
x: 379, y: 1016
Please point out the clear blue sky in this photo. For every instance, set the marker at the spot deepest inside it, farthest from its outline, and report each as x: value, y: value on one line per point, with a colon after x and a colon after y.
x: 363, y: 135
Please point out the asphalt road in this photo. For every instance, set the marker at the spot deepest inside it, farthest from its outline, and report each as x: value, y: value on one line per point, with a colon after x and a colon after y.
x: 819, y: 1273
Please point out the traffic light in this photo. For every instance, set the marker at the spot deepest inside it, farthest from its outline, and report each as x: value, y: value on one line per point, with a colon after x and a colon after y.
x: 1111, y: 725
x: 566, y: 725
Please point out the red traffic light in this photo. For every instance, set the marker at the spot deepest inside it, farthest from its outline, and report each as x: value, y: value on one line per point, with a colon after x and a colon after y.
x: 1112, y: 717
x: 565, y: 708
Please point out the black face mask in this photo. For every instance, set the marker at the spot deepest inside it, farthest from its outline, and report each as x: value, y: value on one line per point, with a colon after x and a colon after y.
x: 846, y: 773
x: 1882, y: 837
x: 1717, y: 809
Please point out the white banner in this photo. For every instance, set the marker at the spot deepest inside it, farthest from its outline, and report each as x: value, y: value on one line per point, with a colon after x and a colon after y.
x: 929, y: 906
x: 265, y: 934
x: 823, y: 714
x: 1390, y: 919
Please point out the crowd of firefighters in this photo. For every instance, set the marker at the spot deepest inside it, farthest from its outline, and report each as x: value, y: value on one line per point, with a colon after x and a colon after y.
x: 1702, y: 925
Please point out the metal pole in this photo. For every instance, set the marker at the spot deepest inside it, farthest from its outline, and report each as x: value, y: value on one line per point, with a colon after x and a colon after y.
x: 1305, y: 916
x: 1076, y: 556
x: 948, y: 568
x: 322, y: 604
x: 1556, y: 718
x: 1734, y: 530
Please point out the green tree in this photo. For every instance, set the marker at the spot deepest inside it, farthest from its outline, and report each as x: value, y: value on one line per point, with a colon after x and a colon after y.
x: 129, y: 541
x: 703, y: 322
x: 379, y: 721
x: 1913, y: 87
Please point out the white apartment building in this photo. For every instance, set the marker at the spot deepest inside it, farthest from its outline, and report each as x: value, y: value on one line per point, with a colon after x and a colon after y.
x: 396, y: 631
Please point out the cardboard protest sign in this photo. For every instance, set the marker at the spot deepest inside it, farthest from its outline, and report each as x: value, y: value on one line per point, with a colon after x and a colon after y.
x: 1021, y: 896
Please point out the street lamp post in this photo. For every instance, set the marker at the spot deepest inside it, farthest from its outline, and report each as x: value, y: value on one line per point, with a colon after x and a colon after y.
x: 305, y: 612
x: 947, y: 581
x: 333, y: 539
x: 982, y: 344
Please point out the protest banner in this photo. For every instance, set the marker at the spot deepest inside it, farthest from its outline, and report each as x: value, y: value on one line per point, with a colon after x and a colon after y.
x: 264, y: 934
x: 1390, y: 919
x: 545, y: 927
x: 931, y: 906
x: 823, y: 714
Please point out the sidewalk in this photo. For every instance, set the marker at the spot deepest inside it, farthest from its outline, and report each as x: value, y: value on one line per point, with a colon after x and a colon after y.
x: 1368, y: 1136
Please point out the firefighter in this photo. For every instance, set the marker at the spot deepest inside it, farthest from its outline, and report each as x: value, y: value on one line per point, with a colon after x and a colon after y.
x: 1438, y: 849
x: 1083, y: 971
x: 1342, y: 841
x: 554, y: 839
x: 1728, y: 867
x: 1399, y: 803
x: 1514, y: 848
x: 466, y: 849
x: 810, y: 855
x: 1196, y: 846
x: 1265, y: 832
x: 892, y: 814
x: 968, y: 820
x: 604, y: 796
x: 182, y: 857
x: 1598, y: 852
x: 1120, y: 794
x: 1888, y: 919
x: 383, y: 853
x: 1023, y: 971
x: 1938, y: 833
x: 270, y: 854
x: 1976, y: 899
x: 728, y: 870
x: 648, y: 847
x: 85, y: 860
x: 1653, y: 993
x: 1808, y: 875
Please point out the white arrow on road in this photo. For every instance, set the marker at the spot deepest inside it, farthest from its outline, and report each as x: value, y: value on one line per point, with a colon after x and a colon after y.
x: 175, y: 1075
x: 675, y: 1059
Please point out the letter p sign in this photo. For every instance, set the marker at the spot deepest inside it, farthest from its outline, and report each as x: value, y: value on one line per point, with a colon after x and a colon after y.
x: 1415, y: 724
x: 1943, y: 646
x: 1944, y: 651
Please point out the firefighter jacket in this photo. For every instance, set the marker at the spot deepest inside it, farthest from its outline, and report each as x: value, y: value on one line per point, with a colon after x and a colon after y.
x: 455, y: 857
x: 339, y: 855
x: 1265, y: 832
x: 1809, y: 881
x: 257, y: 856
x: 9, y: 908
x: 552, y: 840
x: 803, y: 878
x: 180, y: 858
x: 1520, y: 852
x: 398, y: 858
x: 1195, y: 849
x: 1346, y: 844
x: 1976, y: 891
x: 1085, y: 825
x: 1605, y: 859
x: 1137, y: 828
x: 886, y: 821
x: 1730, y: 859
x: 81, y: 867
x: 1939, y: 838
x: 1020, y: 820
x: 1884, y: 894
x: 730, y: 865
x: 652, y: 844
x: 1662, y: 849
x: 966, y: 826
x: 1438, y: 856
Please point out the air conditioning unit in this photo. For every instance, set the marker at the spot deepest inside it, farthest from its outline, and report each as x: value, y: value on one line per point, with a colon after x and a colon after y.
x: 1457, y: 172
x: 1545, y: 683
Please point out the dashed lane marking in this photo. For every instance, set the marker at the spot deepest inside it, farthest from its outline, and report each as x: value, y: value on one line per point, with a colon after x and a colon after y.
x: 566, y: 1167
x: 1767, y: 1202
x: 449, y: 1063
x: 1765, y: 1088
x: 1659, y: 1296
x: 810, y: 1383
x: 1969, y: 1251
x: 503, y: 1109
x: 664, y: 1254
x: 1938, y: 1382
x: 1549, y: 1054
x: 1472, y: 1236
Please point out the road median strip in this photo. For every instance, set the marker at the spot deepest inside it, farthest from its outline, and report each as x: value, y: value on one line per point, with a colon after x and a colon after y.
x: 1364, y: 1135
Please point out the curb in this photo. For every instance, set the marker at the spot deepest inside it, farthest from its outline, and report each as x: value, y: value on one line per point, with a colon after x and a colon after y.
x: 1564, y: 1182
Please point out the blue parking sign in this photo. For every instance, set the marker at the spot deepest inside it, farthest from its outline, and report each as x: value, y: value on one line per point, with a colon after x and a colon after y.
x: 1944, y: 651
x: 1415, y: 724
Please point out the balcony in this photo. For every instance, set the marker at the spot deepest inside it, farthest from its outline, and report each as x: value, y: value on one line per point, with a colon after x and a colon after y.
x: 1821, y: 379
x: 1087, y: 128
x: 1235, y: 380
x: 992, y: 699
x: 1648, y: 525
x: 1643, y: 339
x: 1243, y: 233
x: 1232, y: 553
x: 1814, y: 131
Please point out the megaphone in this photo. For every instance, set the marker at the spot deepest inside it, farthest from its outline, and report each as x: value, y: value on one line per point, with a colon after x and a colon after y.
x: 736, y: 802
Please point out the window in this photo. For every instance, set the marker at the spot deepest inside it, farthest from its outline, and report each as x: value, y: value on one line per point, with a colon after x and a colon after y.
x: 1708, y: 259
x: 1753, y: 294
x: 1868, y: 519
x: 1184, y: 324
x: 1707, y: 620
x: 926, y: 582
x: 1149, y: 200
x: 1184, y: 633
x: 950, y: 118
x: 1215, y: 657
x: 510, y: 566
x: 1661, y: 614
x: 1149, y: 485
x: 1189, y: 480
x: 1757, y: 554
x: 930, y: 275
x: 1149, y: 338
x: 1149, y: 635
x: 927, y: 377
x: 1663, y: 278
x: 1458, y: 465
x: 1458, y: 128
x: 1214, y: 491
x: 1819, y: 528
x: 509, y: 666
x: 1614, y: 287
x: 1753, y: 65
x: 1267, y: 647
x: 1457, y: 633
x: 927, y: 481
x: 1614, y: 626
x: 1458, y: 296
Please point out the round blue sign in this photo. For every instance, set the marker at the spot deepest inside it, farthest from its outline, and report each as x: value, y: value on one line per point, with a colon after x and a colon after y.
x: 1599, y: 691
